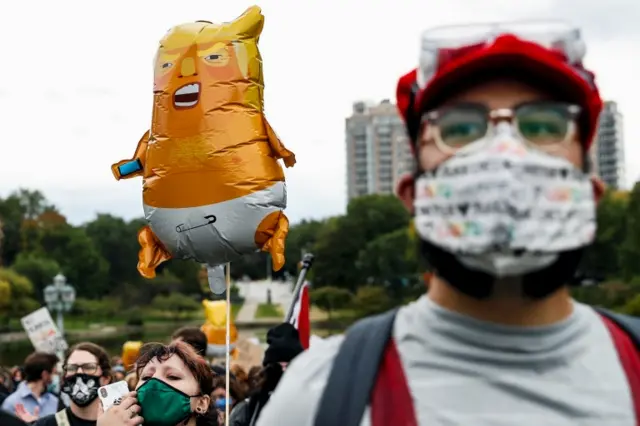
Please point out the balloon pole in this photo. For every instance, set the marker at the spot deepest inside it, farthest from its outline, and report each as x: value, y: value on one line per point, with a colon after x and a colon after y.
x: 228, y: 345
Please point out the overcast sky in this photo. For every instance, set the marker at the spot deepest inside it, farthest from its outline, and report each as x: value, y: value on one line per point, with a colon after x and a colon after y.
x: 76, y: 79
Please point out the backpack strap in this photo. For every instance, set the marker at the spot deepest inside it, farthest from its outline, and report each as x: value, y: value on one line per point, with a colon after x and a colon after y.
x: 62, y: 419
x: 625, y: 333
x: 354, y: 371
x: 630, y: 325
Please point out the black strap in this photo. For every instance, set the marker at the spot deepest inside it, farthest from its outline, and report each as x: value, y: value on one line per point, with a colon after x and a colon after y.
x: 354, y: 371
x: 628, y: 324
x: 413, y: 119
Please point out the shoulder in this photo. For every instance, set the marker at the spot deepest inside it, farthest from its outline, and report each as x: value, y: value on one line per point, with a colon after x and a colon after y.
x: 301, y: 387
x: 10, y: 401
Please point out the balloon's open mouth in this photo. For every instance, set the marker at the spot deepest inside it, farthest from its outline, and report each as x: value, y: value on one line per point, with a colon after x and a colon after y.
x: 187, y: 96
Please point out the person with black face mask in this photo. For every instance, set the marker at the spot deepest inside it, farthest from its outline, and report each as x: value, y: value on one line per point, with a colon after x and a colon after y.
x: 85, y: 370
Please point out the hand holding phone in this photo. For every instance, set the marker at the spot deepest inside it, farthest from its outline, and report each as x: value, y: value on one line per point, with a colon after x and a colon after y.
x: 112, y: 394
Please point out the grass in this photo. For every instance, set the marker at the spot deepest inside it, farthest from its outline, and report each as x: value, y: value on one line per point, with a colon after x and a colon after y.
x: 235, y: 308
x: 266, y: 310
x: 150, y: 316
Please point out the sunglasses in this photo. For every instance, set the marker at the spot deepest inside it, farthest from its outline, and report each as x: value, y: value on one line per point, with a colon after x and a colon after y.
x: 541, y: 124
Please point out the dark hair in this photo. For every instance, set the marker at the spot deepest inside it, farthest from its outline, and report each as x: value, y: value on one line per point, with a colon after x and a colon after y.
x: 36, y: 364
x: 265, y: 382
x: 98, y: 351
x: 241, y: 377
x: 235, y: 389
x: 194, y: 337
x: 254, y: 376
x: 6, y: 378
x: 194, y: 363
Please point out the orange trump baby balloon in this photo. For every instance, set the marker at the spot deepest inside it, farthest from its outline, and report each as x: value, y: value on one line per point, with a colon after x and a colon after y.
x: 213, y: 189
x: 215, y: 328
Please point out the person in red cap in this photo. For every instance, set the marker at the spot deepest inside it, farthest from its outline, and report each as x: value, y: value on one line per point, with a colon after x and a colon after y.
x: 500, y: 118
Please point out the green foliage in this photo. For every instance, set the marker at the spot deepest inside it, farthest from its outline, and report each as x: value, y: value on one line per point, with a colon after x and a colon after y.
x: 340, y: 241
x: 38, y: 269
x: 267, y: 310
x: 135, y: 317
x: 331, y: 299
x: 175, y: 303
x: 630, y: 250
x: 105, y: 308
x: 371, y: 301
x: 632, y: 307
x: 20, y: 291
x: 369, y: 251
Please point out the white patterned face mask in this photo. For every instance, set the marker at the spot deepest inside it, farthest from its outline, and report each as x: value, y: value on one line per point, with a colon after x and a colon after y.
x: 503, y: 208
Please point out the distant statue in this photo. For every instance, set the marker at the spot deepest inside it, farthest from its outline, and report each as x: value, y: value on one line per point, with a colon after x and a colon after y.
x: 268, y: 296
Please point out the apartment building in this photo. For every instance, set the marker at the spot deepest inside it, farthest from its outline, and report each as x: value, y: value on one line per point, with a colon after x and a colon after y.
x: 607, y: 153
x: 378, y: 151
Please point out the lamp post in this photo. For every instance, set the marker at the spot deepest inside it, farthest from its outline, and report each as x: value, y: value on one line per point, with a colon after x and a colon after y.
x: 59, y: 297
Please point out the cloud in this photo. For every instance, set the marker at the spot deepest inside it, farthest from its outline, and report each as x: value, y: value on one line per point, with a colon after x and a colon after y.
x: 88, y: 100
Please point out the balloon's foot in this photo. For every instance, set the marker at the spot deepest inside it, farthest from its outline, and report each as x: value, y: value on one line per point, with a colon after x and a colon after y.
x: 217, y: 279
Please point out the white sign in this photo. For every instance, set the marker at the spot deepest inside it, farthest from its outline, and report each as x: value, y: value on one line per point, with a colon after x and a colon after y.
x: 43, y: 333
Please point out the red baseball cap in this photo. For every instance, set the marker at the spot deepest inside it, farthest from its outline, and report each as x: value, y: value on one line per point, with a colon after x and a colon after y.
x: 505, y: 55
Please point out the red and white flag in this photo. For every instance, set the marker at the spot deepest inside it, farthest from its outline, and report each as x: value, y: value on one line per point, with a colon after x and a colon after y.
x: 300, y: 318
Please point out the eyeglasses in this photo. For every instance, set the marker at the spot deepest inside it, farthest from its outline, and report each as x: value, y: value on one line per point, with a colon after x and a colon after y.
x: 87, y: 368
x: 442, y: 44
x: 544, y: 125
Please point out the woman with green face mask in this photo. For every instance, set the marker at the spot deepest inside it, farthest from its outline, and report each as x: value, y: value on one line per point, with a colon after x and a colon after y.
x: 174, y: 388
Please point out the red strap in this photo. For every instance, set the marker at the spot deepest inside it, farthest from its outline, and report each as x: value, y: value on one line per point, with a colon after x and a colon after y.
x: 391, y: 402
x: 630, y: 360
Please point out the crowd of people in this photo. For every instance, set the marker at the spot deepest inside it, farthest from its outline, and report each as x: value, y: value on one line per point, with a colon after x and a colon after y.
x: 169, y: 384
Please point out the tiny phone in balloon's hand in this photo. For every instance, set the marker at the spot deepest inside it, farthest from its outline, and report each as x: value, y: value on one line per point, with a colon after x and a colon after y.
x: 112, y: 394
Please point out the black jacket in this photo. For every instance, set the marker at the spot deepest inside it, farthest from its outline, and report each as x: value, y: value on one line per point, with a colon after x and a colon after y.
x: 7, y: 419
x: 241, y: 414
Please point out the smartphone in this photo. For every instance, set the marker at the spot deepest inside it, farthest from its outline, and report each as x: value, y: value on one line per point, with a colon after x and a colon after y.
x: 112, y: 394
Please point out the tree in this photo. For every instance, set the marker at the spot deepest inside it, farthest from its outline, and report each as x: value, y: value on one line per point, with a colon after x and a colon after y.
x: 117, y: 242
x: 301, y: 238
x: 371, y: 301
x: 176, y: 304
x: 252, y: 265
x: 602, y: 260
x: 20, y: 291
x: 341, y: 239
x: 330, y: 299
x: 630, y: 250
x: 33, y: 203
x: 632, y: 307
x: 5, y: 295
x: 78, y: 258
x: 11, y: 214
x: 38, y: 269
x: 336, y: 252
x: 390, y: 259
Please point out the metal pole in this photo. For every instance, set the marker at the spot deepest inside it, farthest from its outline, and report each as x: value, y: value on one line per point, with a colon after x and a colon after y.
x: 269, y: 270
x: 60, y: 322
x: 307, y: 262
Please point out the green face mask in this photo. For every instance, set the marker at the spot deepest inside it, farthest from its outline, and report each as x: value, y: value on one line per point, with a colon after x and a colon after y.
x: 162, y: 404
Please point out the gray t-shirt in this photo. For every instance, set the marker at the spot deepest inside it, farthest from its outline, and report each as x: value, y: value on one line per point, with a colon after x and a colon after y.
x: 462, y: 371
